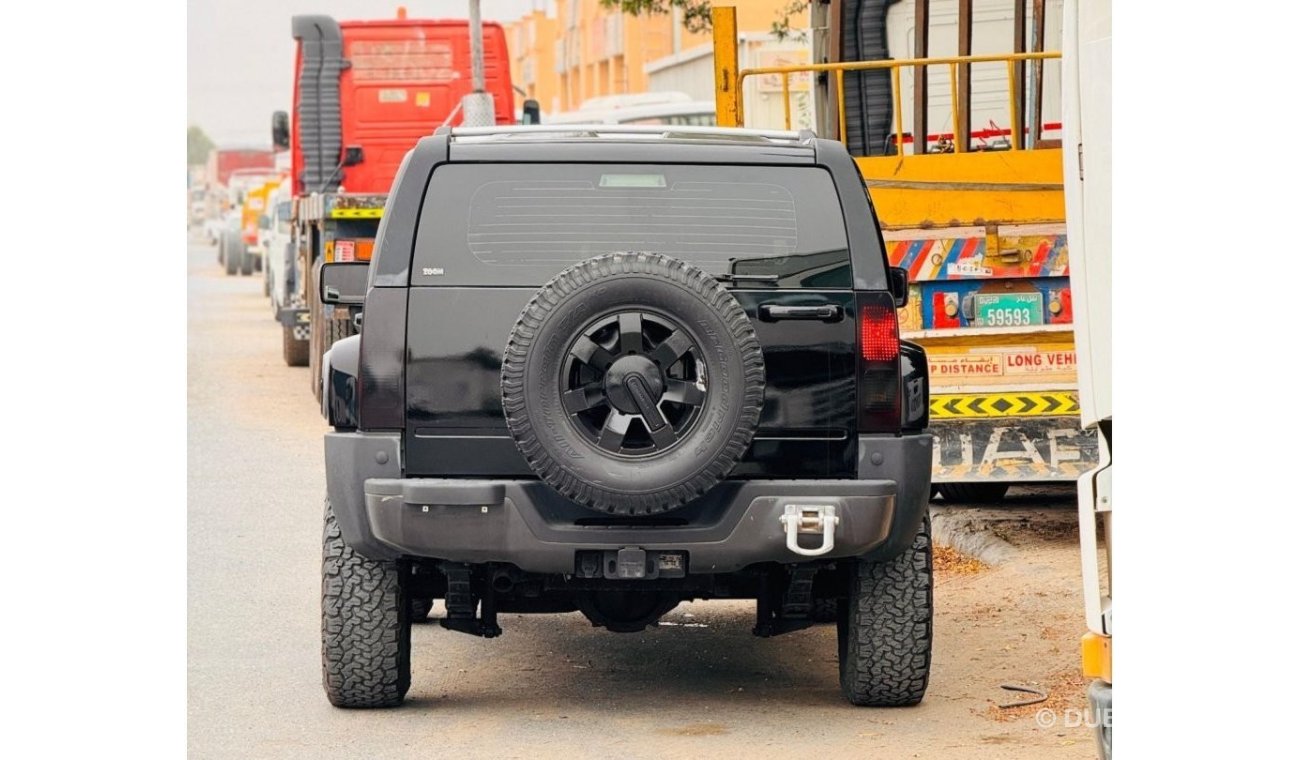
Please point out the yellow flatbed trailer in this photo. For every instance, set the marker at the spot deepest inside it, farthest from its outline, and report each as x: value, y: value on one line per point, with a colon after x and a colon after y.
x: 977, y: 217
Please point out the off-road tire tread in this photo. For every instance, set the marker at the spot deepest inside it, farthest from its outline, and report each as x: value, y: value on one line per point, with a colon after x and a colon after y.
x: 886, y: 628
x: 580, y: 275
x: 365, y: 626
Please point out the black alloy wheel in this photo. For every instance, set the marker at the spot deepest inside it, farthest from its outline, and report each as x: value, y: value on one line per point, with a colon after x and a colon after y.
x: 634, y: 383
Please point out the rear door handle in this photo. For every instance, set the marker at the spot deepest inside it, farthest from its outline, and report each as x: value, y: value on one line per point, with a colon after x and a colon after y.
x: 772, y: 312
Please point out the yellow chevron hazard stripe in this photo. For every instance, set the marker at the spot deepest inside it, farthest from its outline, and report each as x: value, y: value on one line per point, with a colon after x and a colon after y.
x: 1049, y: 404
x: 356, y: 213
x: 964, y: 473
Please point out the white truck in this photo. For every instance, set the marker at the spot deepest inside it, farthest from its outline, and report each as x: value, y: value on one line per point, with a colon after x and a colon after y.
x: 280, y: 256
x: 1086, y: 92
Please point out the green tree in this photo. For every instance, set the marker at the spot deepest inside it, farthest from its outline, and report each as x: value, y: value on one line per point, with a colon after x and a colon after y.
x: 197, y: 145
x: 695, y: 13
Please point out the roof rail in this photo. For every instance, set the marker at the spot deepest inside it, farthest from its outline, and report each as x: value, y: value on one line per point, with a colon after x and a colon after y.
x: 648, y: 130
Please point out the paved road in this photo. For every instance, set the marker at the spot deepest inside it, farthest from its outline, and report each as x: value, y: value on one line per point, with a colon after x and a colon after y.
x: 551, y: 685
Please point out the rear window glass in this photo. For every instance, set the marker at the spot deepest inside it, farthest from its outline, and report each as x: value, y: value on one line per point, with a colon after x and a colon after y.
x: 520, y: 224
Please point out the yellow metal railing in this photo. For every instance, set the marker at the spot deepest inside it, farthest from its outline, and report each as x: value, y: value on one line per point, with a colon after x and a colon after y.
x: 929, y: 189
x: 895, y: 67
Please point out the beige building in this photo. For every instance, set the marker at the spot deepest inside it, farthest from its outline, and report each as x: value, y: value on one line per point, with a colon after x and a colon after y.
x: 691, y: 71
x: 576, y: 50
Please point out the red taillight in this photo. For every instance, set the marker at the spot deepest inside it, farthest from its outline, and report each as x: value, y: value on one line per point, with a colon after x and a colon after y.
x: 879, y: 398
x: 879, y: 325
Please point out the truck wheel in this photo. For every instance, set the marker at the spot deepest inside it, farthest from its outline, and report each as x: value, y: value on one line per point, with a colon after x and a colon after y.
x: 335, y: 331
x: 885, y: 629
x: 228, y: 255
x: 233, y: 251
x: 266, y: 284
x: 974, y: 493
x: 245, y: 261
x: 220, y: 243
x: 420, y: 609
x: 365, y: 626
x: 645, y: 388
x: 825, y: 610
x: 295, y: 351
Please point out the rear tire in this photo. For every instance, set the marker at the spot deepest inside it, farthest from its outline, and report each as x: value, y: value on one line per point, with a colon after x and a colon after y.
x: 338, y: 329
x: 825, y: 610
x: 331, y: 332
x: 230, y: 255
x: 420, y: 609
x: 365, y: 626
x: 974, y: 493
x: 886, y: 627
x: 233, y: 253
x: 295, y: 351
x: 245, y: 261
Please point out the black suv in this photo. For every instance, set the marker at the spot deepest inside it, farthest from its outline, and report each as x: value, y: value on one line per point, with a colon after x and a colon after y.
x: 611, y: 369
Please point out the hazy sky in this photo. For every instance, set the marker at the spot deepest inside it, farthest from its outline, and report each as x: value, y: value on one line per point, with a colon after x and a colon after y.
x: 240, y: 54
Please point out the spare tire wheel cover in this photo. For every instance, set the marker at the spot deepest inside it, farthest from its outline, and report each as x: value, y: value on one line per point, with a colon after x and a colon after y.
x: 632, y: 383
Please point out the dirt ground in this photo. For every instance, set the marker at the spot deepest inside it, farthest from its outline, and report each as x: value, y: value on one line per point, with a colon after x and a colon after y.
x: 552, y: 686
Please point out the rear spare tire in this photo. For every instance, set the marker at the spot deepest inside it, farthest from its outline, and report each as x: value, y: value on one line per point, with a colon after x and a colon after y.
x: 632, y: 383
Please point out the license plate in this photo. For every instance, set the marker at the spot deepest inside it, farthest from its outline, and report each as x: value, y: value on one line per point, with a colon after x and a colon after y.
x: 1008, y: 309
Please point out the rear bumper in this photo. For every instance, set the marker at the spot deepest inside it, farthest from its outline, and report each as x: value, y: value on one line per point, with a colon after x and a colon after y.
x: 510, y: 521
x: 525, y: 523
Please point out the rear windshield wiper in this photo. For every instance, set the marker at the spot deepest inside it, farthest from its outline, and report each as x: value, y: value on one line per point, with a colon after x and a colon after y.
x: 737, y: 276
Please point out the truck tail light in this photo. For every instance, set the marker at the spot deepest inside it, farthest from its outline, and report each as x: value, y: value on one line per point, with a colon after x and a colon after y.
x: 879, y: 402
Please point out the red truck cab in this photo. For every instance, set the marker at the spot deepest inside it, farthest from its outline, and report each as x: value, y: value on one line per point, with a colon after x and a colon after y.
x: 222, y: 162
x: 379, y: 86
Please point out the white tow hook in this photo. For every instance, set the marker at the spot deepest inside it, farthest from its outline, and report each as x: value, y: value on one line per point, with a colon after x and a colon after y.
x: 809, y: 518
